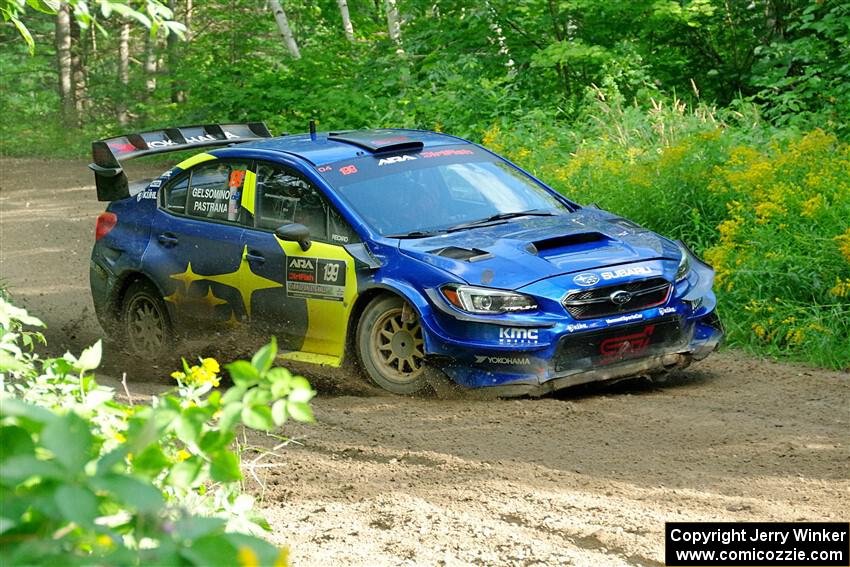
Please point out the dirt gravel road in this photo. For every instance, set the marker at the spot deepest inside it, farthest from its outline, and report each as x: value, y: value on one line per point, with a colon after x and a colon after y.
x: 586, y: 478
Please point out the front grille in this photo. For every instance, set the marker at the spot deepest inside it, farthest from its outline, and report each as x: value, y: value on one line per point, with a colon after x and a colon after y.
x: 597, y: 302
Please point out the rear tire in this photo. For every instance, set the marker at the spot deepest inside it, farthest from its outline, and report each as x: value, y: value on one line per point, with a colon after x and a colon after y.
x: 392, y: 350
x: 145, y: 323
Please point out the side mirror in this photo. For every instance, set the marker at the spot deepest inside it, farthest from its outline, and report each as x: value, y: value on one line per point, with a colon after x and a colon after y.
x: 295, y: 232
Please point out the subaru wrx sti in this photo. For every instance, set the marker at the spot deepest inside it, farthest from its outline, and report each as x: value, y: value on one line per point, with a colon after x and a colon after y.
x: 414, y: 254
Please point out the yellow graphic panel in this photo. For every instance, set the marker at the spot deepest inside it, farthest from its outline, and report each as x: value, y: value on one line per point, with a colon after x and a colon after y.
x: 248, y: 191
x: 195, y: 160
x: 323, y: 276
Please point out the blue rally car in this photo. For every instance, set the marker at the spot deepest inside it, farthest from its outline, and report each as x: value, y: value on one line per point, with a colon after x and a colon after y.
x: 416, y: 254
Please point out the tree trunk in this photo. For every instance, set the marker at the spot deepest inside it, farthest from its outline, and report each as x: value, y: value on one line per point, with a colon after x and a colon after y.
x: 150, y: 65
x: 123, y: 71
x: 346, y: 20
x: 78, y: 71
x: 285, y: 30
x: 173, y: 49
x: 63, y: 62
x: 393, y: 23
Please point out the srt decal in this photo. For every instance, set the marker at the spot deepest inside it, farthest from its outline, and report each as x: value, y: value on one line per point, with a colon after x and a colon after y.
x: 624, y: 318
x: 516, y: 361
x: 586, y: 279
x: 577, y: 327
x: 512, y: 335
x: 395, y: 159
x: 315, y: 278
x: 615, y: 349
x: 617, y: 274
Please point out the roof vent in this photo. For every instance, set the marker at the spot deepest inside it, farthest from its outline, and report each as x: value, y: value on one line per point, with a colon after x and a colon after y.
x: 378, y: 141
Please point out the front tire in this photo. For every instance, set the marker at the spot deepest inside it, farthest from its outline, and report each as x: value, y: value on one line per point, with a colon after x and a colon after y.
x: 145, y: 322
x: 391, y: 347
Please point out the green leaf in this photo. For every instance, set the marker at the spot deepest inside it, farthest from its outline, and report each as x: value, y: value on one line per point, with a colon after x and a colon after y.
x: 242, y: 373
x: 151, y: 461
x: 264, y: 357
x: 77, y: 504
x: 70, y: 439
x: 258, y: 417
x: 44, y: 6
x: 22, y: 467
x: 189, y: 425
x: 131, y: 491
x: 198, y: 526
x: 230, y: 416
x: 90, y: 358
x: 300, y: 411
x: 225, y: 467
x: 186, y: 473
x: 235, y: 393
x: 15, y: 441
x: 279, y: 412
x: 215, y: 440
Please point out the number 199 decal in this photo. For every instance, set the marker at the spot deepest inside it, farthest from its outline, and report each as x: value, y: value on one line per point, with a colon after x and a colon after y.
x: 315, y: 278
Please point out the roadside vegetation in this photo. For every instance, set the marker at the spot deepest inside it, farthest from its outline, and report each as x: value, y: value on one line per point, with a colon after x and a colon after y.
x: 86, y: 479
x: 725, y: 123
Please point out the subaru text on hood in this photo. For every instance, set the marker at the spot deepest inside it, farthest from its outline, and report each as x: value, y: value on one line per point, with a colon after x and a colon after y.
x: 420, y: 256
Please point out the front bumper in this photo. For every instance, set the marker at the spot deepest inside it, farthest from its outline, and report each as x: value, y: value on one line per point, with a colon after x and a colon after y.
x: 523, y: 354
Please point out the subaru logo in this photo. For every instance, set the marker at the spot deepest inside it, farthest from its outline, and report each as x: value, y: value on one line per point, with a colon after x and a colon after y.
x: 620, y: 297
x: 586, y: 279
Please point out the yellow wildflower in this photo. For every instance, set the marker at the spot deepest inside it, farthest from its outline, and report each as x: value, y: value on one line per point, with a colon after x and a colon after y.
x: 119, y: 437
x: 282, y: 558
x: 104, y: 540
x: 182, y: 455
x: 812, y: 206
x: 844, y: 243
x: 841, y: 288
x: 759, y: 330
x: 211, y: 365
x: 247, y: 557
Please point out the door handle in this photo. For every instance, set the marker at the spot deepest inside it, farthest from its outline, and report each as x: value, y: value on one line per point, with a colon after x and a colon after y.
x: 167, y: 239
x: 254, y: 256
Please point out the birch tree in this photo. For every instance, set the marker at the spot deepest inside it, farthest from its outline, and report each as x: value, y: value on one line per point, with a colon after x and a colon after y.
x: 123, y: 71
x: 285, y: 30
x: 393, y: 22
x: 63, y: 64
x: 150, y: 65
x: 346, y: 20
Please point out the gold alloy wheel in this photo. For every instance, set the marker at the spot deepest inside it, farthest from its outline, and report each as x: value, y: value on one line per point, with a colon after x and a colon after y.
x: 145, y: 326
x: 397, y: 347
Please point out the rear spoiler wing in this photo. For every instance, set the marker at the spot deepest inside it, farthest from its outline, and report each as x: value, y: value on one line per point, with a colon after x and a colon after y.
x: 111, y: 181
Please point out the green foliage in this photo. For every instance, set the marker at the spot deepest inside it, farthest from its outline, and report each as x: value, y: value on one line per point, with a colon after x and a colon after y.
x: 86, y: 479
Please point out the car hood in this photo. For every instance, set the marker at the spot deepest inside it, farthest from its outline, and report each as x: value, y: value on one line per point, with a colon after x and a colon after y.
x: 514, y: 254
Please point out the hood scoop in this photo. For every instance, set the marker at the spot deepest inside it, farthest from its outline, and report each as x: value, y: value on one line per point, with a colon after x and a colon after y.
x: 563, y: 244
x: 462, y: 254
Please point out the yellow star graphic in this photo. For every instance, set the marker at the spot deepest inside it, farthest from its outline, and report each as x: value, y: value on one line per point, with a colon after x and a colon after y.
x: 211, y: 300
x: 177, y: 298
x: 244, y: 280
x: 187, y: 277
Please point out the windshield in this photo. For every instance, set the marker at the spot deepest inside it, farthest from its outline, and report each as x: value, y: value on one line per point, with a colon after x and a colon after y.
x: 431, y: 191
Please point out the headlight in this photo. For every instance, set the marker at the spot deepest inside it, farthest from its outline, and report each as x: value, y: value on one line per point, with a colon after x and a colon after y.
x: 684, y: 264
x: 486, y: 301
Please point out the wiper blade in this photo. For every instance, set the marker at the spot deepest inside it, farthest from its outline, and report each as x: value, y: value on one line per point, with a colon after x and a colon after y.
x: 417, y: 234
x: 502, y: 216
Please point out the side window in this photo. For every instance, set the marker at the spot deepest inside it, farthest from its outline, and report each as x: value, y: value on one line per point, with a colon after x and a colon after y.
x: 215, y: 191
x: 174, y: 198
x: 285, y: 197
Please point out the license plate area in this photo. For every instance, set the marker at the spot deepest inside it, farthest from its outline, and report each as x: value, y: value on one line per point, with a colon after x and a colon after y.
x: 613, y: 345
